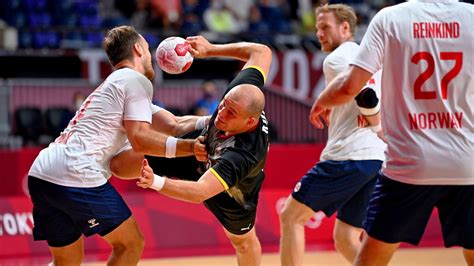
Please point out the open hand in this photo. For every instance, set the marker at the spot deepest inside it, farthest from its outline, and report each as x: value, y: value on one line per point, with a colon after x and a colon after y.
x: 318, y: 115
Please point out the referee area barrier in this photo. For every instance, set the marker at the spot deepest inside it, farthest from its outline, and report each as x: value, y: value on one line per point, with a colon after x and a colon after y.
x: 171, y: 227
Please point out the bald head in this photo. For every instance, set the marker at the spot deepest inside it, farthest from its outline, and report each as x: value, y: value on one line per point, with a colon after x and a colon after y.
x: 250, y: 96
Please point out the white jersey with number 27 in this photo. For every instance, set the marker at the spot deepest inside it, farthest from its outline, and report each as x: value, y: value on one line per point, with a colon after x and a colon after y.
x: 80, y: 156
x: 426, y: 49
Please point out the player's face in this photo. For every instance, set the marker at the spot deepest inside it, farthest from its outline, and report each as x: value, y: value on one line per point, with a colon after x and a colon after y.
x: 328, y: 31
x: 146, y: 60
x: 231, y: 116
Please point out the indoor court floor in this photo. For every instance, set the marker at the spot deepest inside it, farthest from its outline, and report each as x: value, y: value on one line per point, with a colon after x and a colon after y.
x: 404, y: 256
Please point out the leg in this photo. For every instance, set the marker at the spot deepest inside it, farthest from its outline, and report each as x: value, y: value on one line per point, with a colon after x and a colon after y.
x: 456, y: 217
x: 375, y: 252
x: 247, y: 247
x: 348, y: 232
x: 71, y: 254
x: 469, y: 256
x: 292, y: 220
x: 127, y: 243
x: 347, y: 239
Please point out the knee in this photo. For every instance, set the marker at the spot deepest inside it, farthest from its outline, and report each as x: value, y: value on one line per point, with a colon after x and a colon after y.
x: 284, y: 216
x: 132, y: 245
x: 244, y: 245
x: 241, y: 246
x: 343, y: 242
x: 289, y: 217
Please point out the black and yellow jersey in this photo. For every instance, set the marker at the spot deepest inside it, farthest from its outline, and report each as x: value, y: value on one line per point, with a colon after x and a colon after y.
x: 238, y: 161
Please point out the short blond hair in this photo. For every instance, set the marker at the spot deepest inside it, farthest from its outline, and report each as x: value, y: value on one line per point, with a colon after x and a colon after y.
x: 342, y: 13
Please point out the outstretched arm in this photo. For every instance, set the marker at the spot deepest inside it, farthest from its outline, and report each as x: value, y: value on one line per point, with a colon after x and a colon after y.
x: 195, y: 192
x: 148, y: 141
x: 167, y: 123
x: 127, y: 164
x: 253, y: 54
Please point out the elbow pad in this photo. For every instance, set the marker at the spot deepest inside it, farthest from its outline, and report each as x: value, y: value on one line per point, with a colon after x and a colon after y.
x: 368, y: 102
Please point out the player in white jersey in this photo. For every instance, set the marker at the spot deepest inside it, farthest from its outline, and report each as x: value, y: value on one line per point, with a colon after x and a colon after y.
x: 345, y: 176
x: 425, y: 49
x: 68, y: 181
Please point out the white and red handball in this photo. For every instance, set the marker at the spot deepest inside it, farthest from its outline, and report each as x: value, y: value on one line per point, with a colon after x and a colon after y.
x: 173, y: 56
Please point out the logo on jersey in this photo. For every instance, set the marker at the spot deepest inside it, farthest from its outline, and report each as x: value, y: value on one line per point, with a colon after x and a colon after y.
x: 92, y: 223
x: 265, y: 123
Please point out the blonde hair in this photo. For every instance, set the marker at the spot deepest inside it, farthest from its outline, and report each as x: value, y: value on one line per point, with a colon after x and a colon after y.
x: 342, y: 13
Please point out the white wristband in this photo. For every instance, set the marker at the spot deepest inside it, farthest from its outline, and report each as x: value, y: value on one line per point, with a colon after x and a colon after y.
x: 201, y: 123
x: 158, y: 182
x: 171, y: 147
x: 376, y: 128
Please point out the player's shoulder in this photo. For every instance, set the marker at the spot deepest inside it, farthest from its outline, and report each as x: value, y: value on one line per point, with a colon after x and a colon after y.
x: 250, y: 75
x: 347, y: 47
x: 126, y: 74
x: 394, y: 12
x: 253, y: 71
x: 343, y: 53
x: 130, y: 78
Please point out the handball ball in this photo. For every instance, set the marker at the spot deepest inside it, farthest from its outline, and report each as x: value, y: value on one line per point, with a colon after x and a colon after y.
x: 172, y: 55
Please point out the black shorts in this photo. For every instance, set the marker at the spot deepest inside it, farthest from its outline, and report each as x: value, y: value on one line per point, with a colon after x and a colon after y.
x: 342, y: 186
x: 62, y: 214
x: 235, y: 218
x: 186, y: 168
x: 399, y: 212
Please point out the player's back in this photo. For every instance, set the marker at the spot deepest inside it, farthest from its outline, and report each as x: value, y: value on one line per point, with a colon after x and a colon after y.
x: 428, y: 82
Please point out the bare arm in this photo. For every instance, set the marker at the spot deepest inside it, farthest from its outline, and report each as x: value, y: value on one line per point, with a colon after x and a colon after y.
x: 253, y: 54
x: 127, y: 164
x: 165, y: 122
x: 340, y: 90
x: 373, y: 120
x: 195, y: 192
x: 148, y: 141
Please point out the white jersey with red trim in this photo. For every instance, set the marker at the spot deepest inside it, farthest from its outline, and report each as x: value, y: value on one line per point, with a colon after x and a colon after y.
x: 347, y: 138
x: 426, y: 49
x: 80, y: 156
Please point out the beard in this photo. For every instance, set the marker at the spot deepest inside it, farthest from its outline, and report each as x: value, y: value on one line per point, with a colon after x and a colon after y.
x: 149, y: 72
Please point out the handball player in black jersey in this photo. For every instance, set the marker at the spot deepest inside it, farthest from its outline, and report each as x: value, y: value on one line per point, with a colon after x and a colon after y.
x: 237, y: 142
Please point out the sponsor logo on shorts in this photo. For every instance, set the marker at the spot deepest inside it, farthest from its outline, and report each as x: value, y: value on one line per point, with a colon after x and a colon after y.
x: 297, y: 187
x: 246, y: 228
x: 92, y: 223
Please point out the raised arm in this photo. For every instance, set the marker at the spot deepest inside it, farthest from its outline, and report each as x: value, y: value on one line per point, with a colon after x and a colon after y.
x: 253, y: 54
